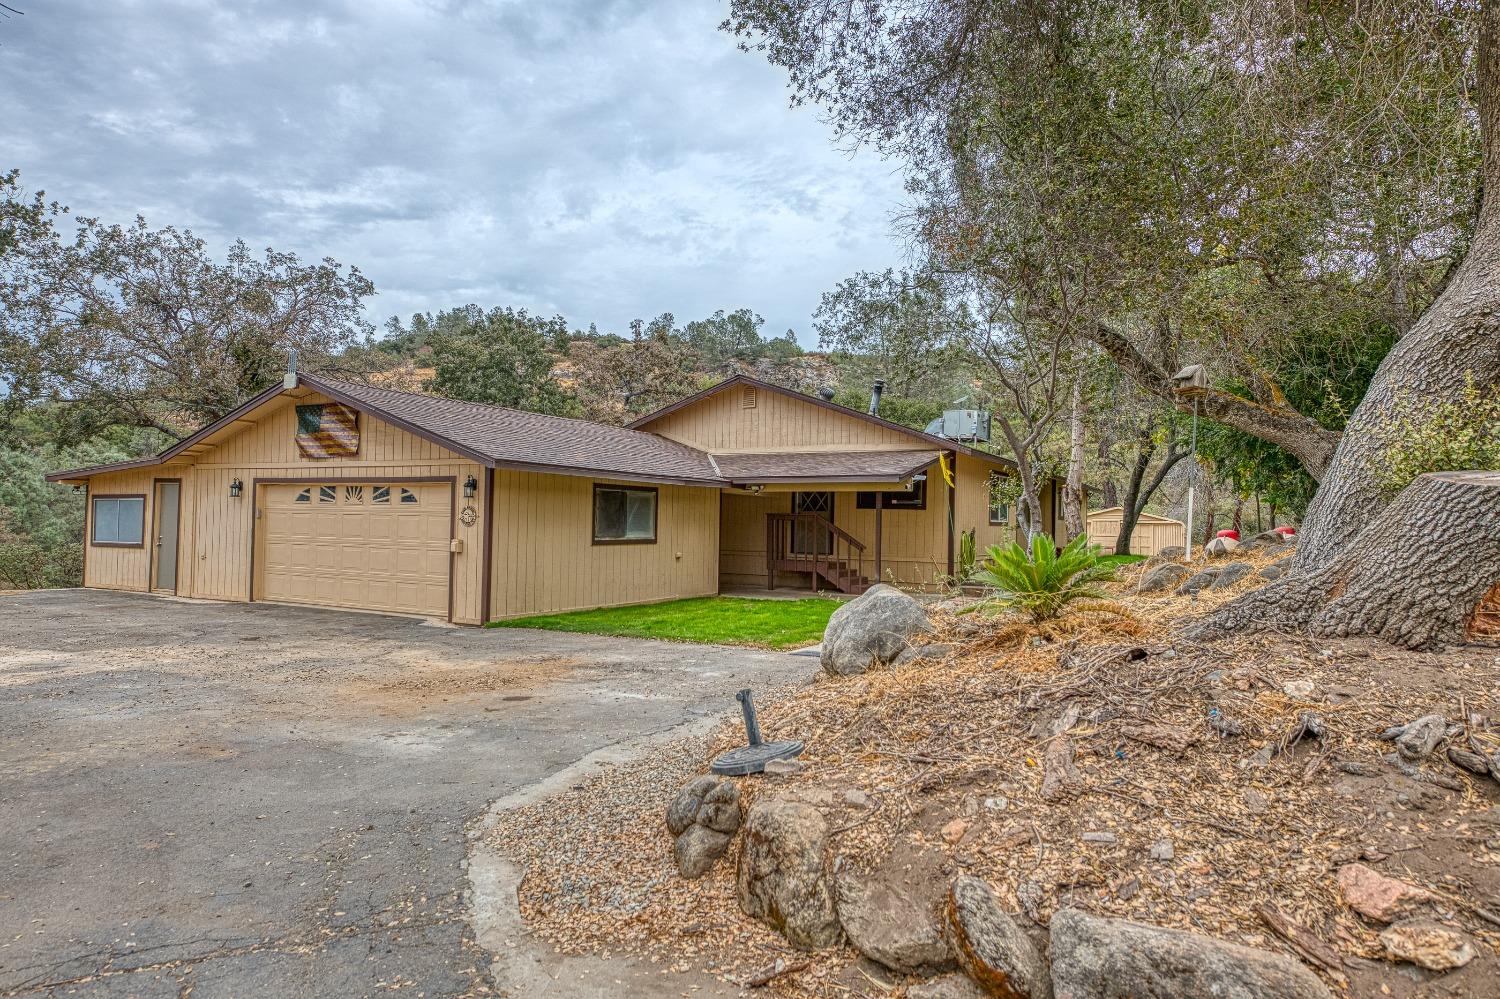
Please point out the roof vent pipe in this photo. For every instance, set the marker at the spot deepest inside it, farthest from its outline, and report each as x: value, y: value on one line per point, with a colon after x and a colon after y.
x: 875, y: 393
x: 289, y: 380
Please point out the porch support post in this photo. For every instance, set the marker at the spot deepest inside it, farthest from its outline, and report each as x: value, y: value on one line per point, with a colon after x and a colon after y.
x: 879, y: 531
x: 952, y: 516
x: 770, y: 552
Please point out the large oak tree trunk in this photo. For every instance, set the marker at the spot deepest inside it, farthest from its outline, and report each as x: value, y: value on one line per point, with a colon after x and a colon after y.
x: 1456, y: 338
x: 1423, y: 575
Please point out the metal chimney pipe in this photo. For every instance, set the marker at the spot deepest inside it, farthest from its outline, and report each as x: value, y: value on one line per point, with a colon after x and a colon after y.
x: 875, y: 393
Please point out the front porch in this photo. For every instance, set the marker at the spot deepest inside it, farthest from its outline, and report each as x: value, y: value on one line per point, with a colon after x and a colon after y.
x: 890, y: 521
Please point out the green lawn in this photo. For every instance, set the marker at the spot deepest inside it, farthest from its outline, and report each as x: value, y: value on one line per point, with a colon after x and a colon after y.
x: 762, y: 624
x: 1118, y: 560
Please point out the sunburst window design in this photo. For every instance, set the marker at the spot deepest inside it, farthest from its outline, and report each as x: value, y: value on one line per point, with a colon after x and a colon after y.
x: 327, y: 494
x: 354, y: 494
x: 380, y: 494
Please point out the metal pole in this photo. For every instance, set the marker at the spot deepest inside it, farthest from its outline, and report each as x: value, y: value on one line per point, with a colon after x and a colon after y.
x: 752, y: 724
x: 1193, y: 476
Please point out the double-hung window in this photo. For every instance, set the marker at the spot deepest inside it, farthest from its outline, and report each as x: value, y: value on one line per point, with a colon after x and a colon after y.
x: 118, y: 520
x: 624, y: 515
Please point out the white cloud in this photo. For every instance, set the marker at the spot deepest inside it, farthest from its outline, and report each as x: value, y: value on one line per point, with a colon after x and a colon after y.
x: 605, y: 160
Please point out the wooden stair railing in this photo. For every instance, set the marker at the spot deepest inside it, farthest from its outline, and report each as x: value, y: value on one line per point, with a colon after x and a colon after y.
x: 835, y: 556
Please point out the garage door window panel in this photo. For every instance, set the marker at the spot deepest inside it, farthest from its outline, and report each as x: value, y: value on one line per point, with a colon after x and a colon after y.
x: 118, y: 522
x: 624, y: 515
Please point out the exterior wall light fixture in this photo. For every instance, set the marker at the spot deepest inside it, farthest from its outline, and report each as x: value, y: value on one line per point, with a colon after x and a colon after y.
x: 470, y: 484
x: 236, y: 487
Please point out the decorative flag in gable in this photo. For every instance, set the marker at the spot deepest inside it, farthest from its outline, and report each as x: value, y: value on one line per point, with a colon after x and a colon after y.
x: 327, y: 430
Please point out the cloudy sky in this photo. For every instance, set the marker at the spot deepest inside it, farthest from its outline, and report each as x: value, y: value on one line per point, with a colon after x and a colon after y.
x: 602, y: 159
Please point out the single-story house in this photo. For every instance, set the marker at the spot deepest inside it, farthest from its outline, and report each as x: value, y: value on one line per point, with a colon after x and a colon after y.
x: 1151, y: 534
x: 329, y: 492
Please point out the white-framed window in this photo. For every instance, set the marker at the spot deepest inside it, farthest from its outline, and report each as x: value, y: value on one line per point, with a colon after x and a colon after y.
x: 327, y: 494
x: 119, y: 520
x: 624, y: 515
x: 305, y: 496
x: 407, y: 496
x: 380, y: 494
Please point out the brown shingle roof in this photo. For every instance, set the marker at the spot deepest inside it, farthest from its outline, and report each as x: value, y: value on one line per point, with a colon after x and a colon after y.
x: 824, y: 466
x: 518, y: 438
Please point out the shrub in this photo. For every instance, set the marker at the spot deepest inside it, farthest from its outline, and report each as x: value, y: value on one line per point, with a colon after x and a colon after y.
x: 1042, y: 581
x: 1423, y: 435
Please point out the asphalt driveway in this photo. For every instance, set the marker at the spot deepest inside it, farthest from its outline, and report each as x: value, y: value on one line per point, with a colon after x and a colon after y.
x: 229, y: 800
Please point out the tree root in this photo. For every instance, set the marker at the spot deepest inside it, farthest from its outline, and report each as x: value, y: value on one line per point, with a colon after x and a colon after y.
x: 1415, y: 577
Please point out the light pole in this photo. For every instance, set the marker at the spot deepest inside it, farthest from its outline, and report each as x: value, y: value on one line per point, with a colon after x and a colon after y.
x: 1194, y: 379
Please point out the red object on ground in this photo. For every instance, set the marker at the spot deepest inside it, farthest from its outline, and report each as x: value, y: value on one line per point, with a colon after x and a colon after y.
x: 1285, y: 530
x: 1228, y: 534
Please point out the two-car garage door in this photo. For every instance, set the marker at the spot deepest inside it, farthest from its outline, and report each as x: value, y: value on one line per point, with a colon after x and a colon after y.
x: 368, y: 545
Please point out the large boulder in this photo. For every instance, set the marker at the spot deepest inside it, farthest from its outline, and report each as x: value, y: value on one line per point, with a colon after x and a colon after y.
x: 703, y: 818
x: 783, y: 877
x: 1265, y: 539
x: 1164, y: 577
x: 1220, y: 547
x: 872, y: 630
x: 1231, y: 574
x: 1167, y: 553
x: 889, y: 924
x: 990, y: 947
x: 1198, y: 582
x: 1094, y: 958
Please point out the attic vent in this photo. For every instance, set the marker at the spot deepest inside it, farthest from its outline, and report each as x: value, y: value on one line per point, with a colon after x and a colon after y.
x: 748, y: 397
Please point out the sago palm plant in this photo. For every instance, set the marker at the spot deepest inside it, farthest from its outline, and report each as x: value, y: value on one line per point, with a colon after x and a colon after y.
x: 1043, y: 581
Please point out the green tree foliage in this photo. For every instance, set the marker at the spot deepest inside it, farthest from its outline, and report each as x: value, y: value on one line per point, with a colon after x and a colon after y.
x: 142, y: 327
x: 725, y: 340
x: 41, y: 523
x: 900, y: 323
x: 1179, y: 183
x: 503, y: 357
x: 1439, y: 435
x: 1326, y: 368
x: 915, y: 412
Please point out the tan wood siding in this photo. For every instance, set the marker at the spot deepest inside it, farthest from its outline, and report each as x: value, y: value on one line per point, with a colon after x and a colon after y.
x: 545, y: 560
x: 973, y: 506
x: 1151, y: 534
x: 215, y: 539
x: 721, y: 424
x: 115, y: 568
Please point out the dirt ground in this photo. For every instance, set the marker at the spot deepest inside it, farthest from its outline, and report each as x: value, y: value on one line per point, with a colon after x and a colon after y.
x: 952, y: 758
